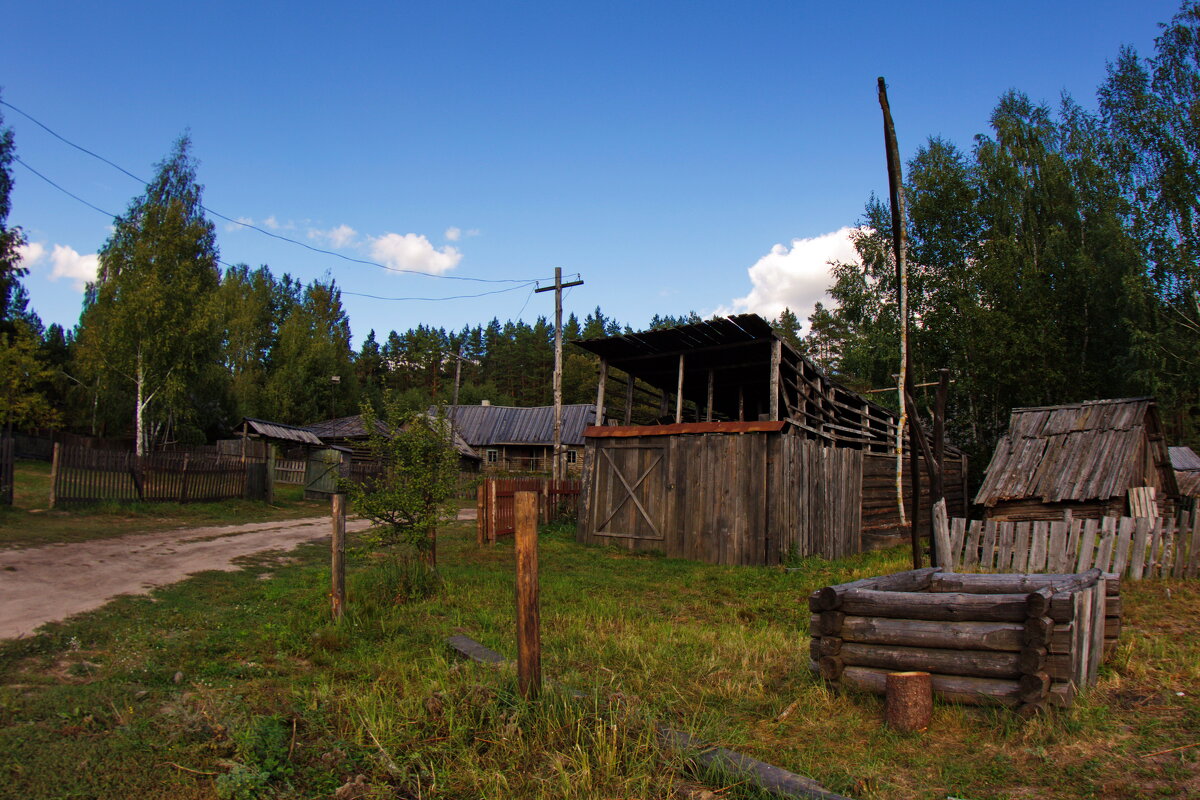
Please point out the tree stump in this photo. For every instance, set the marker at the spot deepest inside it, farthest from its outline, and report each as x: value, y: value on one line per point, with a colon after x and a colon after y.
x: 909, y: 703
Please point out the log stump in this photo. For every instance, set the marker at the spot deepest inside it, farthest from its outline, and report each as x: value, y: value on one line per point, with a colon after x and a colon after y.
x: 909, y: 703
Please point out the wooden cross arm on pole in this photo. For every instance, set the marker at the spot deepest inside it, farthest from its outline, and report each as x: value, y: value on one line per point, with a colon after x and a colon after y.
x: 558, y: 286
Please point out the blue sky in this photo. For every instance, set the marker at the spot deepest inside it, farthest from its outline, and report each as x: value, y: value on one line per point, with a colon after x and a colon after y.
x: 660, y: 150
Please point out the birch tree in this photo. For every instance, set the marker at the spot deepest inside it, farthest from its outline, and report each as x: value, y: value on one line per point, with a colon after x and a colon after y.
x: 150, y: 320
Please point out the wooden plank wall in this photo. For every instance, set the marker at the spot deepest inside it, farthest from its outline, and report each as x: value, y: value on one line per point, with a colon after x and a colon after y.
x: 84, y: 475
x: 739, y: 499
x: 879, y: 511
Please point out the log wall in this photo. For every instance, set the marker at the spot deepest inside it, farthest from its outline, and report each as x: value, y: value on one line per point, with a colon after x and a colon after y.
x: 880, y: 514
x: 1024, y: 641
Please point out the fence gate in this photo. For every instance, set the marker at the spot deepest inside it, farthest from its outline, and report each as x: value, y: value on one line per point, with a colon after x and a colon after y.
x: 630, y: 492
x: 496, y: 505
x: 7, y: 465
x: 321, y: 474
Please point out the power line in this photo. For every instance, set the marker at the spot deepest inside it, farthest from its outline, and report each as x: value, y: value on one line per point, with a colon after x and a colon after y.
x: 251, y: 226
x: 226, y: 264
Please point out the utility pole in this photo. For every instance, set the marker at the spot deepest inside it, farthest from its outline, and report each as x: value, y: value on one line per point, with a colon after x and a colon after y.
x: 556, y: 467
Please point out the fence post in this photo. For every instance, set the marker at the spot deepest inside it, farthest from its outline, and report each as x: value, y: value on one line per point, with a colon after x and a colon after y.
x: 492, y: 512
x: 270, y: 490
x: 338, y: 591
x: 480, y: 511
x: 54, y: 466
x: 183, y: 488
x: 529, y: 641
x: 544, y: 500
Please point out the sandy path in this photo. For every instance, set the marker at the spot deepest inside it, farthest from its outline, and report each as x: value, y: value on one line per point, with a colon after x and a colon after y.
x: 41, y: 584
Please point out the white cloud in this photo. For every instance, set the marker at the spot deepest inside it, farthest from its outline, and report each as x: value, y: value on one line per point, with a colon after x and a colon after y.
x: 271, y: 222
x: 341, y: 236
x: 795, y: 277
x: 65, y: 262
x: 30, y: 254
x: 453, y: 234
x: 414, y: 252
x: 239, y: 224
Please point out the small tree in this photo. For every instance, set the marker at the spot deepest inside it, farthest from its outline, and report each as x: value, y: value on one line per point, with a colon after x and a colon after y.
x: 414, y: 491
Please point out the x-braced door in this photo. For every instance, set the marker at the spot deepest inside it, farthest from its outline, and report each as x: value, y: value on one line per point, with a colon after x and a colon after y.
x: 631, y: 492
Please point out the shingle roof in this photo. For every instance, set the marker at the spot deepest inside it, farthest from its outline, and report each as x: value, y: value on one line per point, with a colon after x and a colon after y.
x: 482, y: 426
x: 279, y: 431
x: 1080, y: 451
x: 343, y: 428
x: 1184, y: 459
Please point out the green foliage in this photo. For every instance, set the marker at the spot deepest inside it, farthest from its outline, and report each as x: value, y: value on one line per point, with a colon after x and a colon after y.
x: 11, y: 238
x: 22, y: 374
x: 262, y: 758
x: 415, y: 492
x: 150, y: 321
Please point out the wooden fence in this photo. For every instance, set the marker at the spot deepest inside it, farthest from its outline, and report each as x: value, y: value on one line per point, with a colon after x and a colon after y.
x: 288, y: 470
x: 7, y: 465
x: 495, y: 503
x: 81, y: 475
x: 1136, y: 547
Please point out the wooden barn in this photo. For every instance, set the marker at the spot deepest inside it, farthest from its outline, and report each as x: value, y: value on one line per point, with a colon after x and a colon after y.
x: 1081, y: 457
x: 734, y: 448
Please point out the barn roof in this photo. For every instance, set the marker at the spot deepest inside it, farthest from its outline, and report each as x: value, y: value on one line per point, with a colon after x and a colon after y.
x: 1184, y: 459
x: 1081, y: 451
x: 279, y: 431
x: 491, y: 425
x: 344, y: 428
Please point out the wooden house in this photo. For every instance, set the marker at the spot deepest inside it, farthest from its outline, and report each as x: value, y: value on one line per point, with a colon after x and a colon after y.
x: 516, y: 439
x: 1186, y: 465
x: 1082, y: 457
x: 734, y: 448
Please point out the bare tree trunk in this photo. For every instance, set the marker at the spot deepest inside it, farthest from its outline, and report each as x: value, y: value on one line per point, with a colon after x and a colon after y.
x: 140, y: 408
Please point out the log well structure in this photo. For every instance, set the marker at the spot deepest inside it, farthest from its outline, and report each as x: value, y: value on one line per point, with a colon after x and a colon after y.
x: 735, y: 448
x: 1023, y: 641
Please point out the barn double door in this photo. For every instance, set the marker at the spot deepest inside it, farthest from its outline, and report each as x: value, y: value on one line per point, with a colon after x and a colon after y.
x: 631, y: 493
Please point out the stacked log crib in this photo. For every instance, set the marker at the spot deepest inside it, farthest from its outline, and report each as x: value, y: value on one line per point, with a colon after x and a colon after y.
x: 1023, y: 641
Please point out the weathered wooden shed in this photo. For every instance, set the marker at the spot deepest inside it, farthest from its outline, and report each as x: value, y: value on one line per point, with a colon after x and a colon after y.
x: 736, y: 449
x: 1083, y: 457
x: 1186, y: 464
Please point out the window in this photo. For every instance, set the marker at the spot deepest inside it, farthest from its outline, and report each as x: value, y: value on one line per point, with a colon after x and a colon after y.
x: 492, y: 456
x: 571, y: 454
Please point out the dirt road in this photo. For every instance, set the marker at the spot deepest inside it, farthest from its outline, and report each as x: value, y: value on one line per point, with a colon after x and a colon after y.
x: 41, y: 584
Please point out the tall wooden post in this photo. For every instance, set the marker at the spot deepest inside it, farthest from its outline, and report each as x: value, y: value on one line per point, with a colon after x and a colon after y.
x: 529, y: 642
x: 337, y: 593
x: 776, y: 361
x: 679, y: 394
x: 556, y: 467
x: 629, y: 399
x: 709, y: 410
x: 937, y: 486
x: 900, y: 249
x: 480, y: 512
x: 599, y: 396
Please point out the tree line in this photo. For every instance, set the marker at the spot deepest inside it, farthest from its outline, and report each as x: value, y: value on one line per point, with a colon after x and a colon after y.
x: 1053, y: 260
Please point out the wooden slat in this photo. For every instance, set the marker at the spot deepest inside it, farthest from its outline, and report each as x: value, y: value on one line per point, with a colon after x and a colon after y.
x: 1104, y: 550
x: 1141, y: 541
x: 958, y: 533
x: 1125, y: 530
x: 1021, y: 547
x: 971, y: 548
x: 1056, y: 549
x: 1038, y: 547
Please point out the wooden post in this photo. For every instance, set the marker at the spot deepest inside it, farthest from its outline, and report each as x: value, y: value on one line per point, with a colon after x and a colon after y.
x: 529, y: 644
x: 337, y: 594
x: 54, y: 467
x: 183, y: 483
x: 599, y: 399
x: 937, y: 487
x: 908, y: 705
x: 557, y: 289
x: 741, y: 405
x: 629, y: 399
x: 492, y: 511
x: 776, y: 359
x: 708, y: 413
x: 270, y: 495
x: 679, y: 394
x: 480, y: 512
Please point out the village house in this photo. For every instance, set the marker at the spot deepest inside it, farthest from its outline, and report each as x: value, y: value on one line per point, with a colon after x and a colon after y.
x: 515, y: 439
x: 1080, y: 457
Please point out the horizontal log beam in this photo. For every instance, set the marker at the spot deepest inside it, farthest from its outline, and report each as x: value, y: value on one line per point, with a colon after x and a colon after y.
x: 998, y: 636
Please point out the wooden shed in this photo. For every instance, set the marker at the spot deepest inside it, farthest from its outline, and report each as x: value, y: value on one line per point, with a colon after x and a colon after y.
x: 1186, y: 464
x: 734, y: 448
x: 1082, y: 457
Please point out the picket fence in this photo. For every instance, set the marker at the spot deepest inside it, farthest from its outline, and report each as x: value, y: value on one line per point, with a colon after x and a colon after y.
x: 1133, y: 547
x: 495, y: 503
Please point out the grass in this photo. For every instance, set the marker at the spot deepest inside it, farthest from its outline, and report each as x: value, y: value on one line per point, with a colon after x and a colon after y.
x: 30, y: 521
x: 273, y: 701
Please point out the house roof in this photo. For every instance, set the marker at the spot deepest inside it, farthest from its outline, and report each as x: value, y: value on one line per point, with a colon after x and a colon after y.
x: 1080, y: 451
x: 1184, y: 459
x: 353, y: 428
x: 278, y: 431
x: 489, y: 425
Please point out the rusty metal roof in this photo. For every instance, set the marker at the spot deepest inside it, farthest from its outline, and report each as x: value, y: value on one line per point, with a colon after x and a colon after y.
x: 491, y: 425
x: 279, y: 431
x: 1081, y: 451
